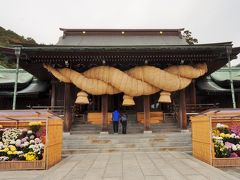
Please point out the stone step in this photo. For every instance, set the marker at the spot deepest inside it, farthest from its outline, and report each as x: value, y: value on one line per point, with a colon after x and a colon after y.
x: 111, y: 142
x: 130, y: 144
x: 153, y: 149
x: 127, y: 140
x: 129, y: 131
x: 85, y: 128
x: 128, y: 127
x: 98, y: 132
x: 124, y: 145
x: 129, y: 124
x: 127, y: 137
x: 138, y: 136
x: 85, y: 132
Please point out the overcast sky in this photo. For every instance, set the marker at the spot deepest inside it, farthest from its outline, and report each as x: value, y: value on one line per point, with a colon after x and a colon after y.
x: 209, y: 20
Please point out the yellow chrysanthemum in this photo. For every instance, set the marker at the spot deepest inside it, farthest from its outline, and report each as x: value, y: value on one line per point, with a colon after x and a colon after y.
x: 227, y: 135
x: 6, y: 149
x: 13, y: 148
x: 9, y: 152
x: 216, y: 132
x: 30, y: 156
x: 35, y: 123
x: 14, y: 152
x: 222, y: 135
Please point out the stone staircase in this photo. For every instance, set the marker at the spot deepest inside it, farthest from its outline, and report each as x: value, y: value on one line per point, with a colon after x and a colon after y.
x: 95, y: 143
x: 166, y: 136
x: 133, y: 127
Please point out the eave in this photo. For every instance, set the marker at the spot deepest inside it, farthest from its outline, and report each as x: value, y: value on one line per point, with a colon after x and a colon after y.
x: 82, y: 57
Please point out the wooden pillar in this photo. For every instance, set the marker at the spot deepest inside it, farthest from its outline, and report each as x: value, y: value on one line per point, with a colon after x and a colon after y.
x: 238, y: 100
x: 99, y: 103
x: 105, y: 112
x: 93, y: 103
x: 67, y: 107
x: 182, y: 110
x: 146, y: 108
x: 53, y: 93
x: 193, y: 93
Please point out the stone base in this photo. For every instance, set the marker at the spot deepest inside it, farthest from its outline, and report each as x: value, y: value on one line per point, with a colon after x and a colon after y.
x: 104, y: 133
x: 147, y: 132
x: 185, y: 131
x: 66, y: 134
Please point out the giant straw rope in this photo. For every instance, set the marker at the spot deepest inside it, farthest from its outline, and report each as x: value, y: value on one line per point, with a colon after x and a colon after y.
x: 140, y: 80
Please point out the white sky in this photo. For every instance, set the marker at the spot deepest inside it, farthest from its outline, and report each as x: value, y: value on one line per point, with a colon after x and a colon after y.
x: 209, y: 20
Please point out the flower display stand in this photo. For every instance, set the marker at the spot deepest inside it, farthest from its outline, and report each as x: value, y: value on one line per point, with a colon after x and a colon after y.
x: 53, y: 126
x: 202, y: 135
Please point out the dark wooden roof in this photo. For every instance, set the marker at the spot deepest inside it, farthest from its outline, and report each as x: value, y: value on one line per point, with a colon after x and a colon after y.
x: 176, y: 32
x: 121, y: 37
x: 81, y: 58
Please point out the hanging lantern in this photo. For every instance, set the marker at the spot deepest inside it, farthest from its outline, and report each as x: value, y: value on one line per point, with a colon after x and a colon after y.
x: 164, y: 97
x: 82, y: 98
x: 128, y: 101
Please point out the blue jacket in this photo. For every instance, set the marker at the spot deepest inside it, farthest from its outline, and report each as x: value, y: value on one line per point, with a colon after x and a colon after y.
x: 115, y: 116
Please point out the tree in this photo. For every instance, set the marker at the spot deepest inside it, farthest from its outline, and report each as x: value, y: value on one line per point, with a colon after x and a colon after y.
x: 7, y: 38
x: 30, y: 40
x: 189, y: 39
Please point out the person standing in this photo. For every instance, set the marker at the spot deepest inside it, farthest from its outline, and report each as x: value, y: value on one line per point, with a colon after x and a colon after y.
x: 124, y: 123
x: 115, y: 119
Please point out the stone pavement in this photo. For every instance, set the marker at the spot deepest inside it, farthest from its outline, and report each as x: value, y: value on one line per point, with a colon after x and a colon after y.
x: 125, y: 166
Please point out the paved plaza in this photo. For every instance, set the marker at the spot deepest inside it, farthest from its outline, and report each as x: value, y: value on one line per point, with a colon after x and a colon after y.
x: 124, y: 166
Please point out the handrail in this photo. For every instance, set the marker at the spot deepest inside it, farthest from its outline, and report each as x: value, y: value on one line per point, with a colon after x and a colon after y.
x: 216, y: 105
x: 190, y: 108
x: 45, y: 107
x: 56, y: 109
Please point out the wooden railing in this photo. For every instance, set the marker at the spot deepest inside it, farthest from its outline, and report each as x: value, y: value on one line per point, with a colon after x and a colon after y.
x: 155, y: 117
x: 59, y: 110
x: 196, y: 108
x: 192, y: 109
x: 96, y: 118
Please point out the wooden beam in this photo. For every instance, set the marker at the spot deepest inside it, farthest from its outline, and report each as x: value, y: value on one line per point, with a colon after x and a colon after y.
x: 105, y: 112
x: 146, y: 108
x: 182, y: 110
x: 67, y: 107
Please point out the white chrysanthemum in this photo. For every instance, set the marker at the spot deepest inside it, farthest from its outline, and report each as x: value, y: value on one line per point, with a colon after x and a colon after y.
x: 26, y: 144
x: 10, y: 135
x: 234, y: 148
x: 1, y: 145
x: 218, y: 125
x: 238, y: 146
